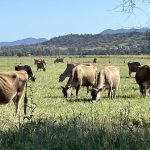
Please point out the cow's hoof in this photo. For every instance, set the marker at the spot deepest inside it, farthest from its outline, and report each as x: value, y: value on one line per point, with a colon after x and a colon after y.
x: 94, y: 101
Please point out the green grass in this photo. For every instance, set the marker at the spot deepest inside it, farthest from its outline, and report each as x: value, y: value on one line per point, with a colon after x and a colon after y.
x: 53, y: 122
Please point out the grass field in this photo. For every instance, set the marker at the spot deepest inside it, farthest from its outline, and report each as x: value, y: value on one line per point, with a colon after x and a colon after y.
x: 53, y: 122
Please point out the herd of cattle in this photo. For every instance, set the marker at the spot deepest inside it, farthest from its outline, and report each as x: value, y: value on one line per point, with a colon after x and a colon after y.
x: 13, y: 85
x: 107, y: 77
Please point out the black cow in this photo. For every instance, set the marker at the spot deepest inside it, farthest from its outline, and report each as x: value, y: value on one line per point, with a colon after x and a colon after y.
x: 27, y: 69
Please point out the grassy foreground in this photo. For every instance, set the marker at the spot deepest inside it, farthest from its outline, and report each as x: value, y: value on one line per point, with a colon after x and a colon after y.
x: 53, y: 122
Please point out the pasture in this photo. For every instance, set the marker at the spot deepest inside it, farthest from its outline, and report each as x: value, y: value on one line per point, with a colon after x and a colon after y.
x: 52, y: 122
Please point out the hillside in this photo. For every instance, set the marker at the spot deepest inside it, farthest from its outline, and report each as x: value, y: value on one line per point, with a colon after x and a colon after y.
x: 26, y: 41
x: 122, y: 30
x: 99, y: 40
x: 86, y: 44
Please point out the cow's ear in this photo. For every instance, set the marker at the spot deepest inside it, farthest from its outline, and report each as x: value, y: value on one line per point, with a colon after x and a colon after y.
x: 99, y: 90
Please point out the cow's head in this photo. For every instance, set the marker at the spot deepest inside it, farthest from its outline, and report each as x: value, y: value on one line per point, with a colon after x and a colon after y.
x: 61, y: 78
x: 33, y: 78
x: 66, y: 91
x: 96, y: 93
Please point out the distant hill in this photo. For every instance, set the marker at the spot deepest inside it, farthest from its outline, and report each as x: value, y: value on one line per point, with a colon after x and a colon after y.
x: 27, y: 41
x: 110, y: 31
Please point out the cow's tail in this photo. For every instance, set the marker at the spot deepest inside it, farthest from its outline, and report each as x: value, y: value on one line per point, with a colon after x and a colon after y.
x: 25, y: 101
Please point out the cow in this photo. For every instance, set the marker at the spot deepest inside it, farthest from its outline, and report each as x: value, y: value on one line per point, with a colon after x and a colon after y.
x: 39, y: 60
x: 108, y: 78
x: 81, y: 75
x: 27, y: 69
x: 13, y: 85
x: 132, y: 66
x: 40, y: 65
x: 142, y: 78
x: 36, y: 61
x: 68, y: 71
x: 95, y: 60
x: 59, y: 59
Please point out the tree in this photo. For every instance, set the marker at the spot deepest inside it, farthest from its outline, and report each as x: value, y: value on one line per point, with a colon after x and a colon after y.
x: 129, y: 5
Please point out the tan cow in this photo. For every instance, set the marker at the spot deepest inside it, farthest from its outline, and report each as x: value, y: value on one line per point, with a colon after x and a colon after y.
x: 108, y: 78
x: 81, y: 75
x: 142, y: 78
x: 68, y: 71
x: 132, y: 66
x: 12, y: 87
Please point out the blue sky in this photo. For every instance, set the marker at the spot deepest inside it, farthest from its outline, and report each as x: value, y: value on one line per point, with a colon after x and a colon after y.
x: 49, y: 18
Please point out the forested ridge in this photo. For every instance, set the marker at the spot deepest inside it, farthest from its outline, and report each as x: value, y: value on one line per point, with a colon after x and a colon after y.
x: 86, y: 44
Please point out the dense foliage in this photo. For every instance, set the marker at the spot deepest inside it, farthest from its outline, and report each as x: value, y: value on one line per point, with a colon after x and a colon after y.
x: 86, y: 44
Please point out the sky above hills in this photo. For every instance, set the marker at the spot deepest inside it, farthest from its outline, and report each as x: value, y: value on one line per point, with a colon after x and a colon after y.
x: 49, y: 18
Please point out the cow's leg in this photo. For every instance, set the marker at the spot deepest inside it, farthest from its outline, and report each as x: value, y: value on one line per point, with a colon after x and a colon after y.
x: 88, y: 89
x: 114, y: 93
x: 16, y: 101
x: 77, y: 90
x: 110, y: 93
x: 129, y: 73
x: 142, y: 90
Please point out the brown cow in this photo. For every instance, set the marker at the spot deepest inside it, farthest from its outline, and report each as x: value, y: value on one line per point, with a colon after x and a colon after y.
x: 81, y: 75
x: 133, y: 67
x: 142, y: 78
x: 108, y: 78
x: 12, y: 87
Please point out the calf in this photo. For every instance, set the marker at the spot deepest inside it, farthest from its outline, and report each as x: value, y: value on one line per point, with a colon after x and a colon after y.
x: 12, y: 87
x: 81, y: 75
x: 108, y: 77
x: 142, y: 78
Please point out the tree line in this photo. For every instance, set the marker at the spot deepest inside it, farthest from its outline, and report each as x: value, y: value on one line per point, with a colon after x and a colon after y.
x: 86, y: 44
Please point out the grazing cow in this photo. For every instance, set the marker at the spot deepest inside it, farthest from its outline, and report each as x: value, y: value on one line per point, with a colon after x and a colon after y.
x: 40, y: 65
x: 39, y: 60
x: 108, y: 77
x: 12, y: 87
x: 142, y: 78
x: 57, y: 60
x: 81, y: 75
x: 68, y: 71
x: 133, y: 67
x: 27, y: 69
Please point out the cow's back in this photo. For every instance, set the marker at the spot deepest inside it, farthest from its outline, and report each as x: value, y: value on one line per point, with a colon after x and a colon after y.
x: 84, y: 75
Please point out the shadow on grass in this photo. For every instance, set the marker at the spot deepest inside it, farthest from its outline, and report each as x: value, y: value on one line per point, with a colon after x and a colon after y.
x: 127, y: 77
x: 84, y: 100
x: 74, y: 133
